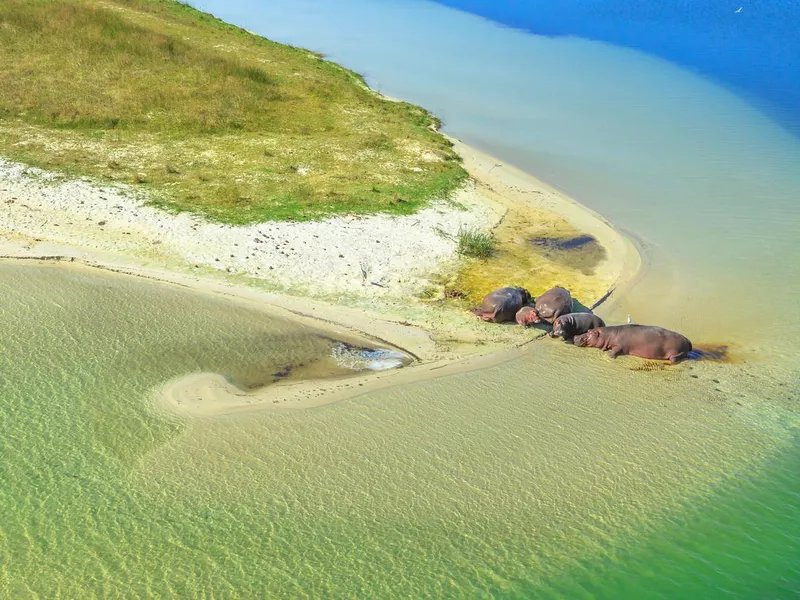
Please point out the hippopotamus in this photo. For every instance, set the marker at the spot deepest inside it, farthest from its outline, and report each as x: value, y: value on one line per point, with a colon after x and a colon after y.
x: 644, y: 341
x: 572, y: 324
x: 526, y: 316
x: 501, y: 305
x: 552, y: 304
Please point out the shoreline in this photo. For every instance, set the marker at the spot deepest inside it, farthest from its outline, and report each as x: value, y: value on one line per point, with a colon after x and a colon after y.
x: 440, y: 339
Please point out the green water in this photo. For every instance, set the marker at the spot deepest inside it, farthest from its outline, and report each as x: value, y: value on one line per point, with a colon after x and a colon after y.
x: 744, y: 543
x: 482, y: 484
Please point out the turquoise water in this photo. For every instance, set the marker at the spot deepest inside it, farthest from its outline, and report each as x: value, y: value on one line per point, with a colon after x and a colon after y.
x: 559, y: 474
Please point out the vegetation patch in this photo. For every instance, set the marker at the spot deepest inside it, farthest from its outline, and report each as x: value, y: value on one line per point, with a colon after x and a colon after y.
x: 476, y: 243
x: 207, y: 117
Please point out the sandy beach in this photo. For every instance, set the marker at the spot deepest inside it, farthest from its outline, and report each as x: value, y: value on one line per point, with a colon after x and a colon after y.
x: 347, y: 275
x: 368, y: 256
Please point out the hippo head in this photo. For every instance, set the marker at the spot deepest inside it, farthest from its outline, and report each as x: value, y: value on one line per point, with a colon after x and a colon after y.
x: 526, y: 295
x: 558, y: 328
x: 589, y: 338
x: 527, y: 316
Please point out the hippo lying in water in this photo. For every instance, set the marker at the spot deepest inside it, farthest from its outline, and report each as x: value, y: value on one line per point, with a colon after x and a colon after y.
x: 572, y: 324
x: 644, y: 341
x: 502, y: 305
x: 548, y: 307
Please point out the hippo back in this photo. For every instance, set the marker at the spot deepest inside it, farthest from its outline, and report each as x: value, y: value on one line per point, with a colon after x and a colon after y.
x: 502, y: 305
x: 553, y: 303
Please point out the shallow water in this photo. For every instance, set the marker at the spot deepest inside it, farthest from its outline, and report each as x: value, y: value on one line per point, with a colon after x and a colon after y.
x: 486, y: 483
x: 582, y: 252
x: 560, y: 474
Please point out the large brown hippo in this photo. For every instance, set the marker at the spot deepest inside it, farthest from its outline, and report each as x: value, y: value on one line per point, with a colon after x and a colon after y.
x: 501, y: 305
x: 572, y: 324
x: 552, y: 304
x: 644, y: 341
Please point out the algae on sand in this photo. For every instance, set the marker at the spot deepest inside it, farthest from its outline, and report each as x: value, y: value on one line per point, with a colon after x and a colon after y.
x: 536, y: 267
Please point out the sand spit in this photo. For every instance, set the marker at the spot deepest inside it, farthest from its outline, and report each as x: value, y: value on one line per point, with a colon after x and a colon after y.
x: 379, y: 261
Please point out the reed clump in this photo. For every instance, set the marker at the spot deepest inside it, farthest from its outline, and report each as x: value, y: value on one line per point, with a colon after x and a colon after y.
x: 476, y: 243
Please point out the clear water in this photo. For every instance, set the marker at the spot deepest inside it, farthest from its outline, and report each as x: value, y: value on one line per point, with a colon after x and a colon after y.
x: 560, y: 474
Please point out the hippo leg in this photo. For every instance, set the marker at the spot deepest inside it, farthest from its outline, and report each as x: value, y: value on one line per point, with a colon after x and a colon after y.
x: 614, y: 351
x: 486, y: 316
x: 674, y: 360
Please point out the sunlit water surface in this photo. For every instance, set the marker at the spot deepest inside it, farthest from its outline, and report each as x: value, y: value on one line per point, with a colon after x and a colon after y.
x: 560, y: 474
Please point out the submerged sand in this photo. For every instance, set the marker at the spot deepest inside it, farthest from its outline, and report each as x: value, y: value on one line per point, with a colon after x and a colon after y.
x: 346, y: 275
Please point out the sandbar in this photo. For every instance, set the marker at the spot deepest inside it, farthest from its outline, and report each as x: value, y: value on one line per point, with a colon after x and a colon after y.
x: 296, y: 271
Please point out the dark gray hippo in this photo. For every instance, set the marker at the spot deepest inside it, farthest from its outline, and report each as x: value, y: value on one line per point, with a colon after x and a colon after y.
x: 644, y: 341
x: 552, y: 304
x: 502, y: 305
x: 572, y: 324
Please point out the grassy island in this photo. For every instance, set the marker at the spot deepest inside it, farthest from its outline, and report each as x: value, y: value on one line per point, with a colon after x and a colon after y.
x: 208, y: 117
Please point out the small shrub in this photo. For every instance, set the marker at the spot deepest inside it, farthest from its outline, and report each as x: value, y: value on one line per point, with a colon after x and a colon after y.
x: 429, y: 292
x: 454, y: 294
x: 475, y: 243
x: 379, y: 142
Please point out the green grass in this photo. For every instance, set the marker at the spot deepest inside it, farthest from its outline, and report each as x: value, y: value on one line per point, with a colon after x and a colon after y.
x: 206, y: 116
x: 475, y: 243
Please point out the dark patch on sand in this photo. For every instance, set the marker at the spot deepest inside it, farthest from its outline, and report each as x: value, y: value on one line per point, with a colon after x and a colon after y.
x: 716, y: 353
x: 582, y: 252
x: 649, y: 365
x: 283, y: 373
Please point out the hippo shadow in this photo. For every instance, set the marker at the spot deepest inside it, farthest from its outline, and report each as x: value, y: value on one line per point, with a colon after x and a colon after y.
x: 581, y: 252
x: 579, y: 307
x: 710, y: 352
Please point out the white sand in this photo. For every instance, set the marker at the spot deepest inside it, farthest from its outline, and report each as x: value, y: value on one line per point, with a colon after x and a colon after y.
x: 373, y: 255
